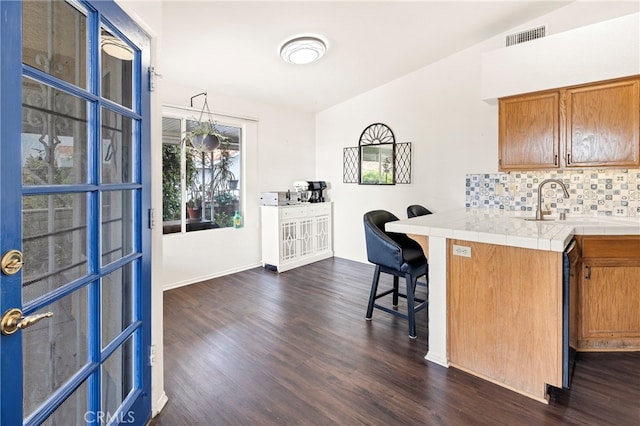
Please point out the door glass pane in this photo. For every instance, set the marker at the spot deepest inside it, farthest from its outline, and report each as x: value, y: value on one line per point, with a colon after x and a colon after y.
x: 54, y: 136
x: 54, y: 242
x: 117, y: 302
x: 117, y: 148
x: 54, y: 349
x: 117, y: 380
x: 116, y: 61
x: 55, y: 40
x: 117, y: 225
x: 74, y: 410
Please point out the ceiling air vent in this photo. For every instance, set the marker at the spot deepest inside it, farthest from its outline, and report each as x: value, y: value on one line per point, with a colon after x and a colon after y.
x: 524, y: 36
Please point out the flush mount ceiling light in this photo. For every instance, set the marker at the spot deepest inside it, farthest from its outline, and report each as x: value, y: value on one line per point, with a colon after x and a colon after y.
x: 115, y: 47
x: 303, y: 50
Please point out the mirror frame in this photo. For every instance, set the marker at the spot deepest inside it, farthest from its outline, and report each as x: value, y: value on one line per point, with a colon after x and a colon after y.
x: 380, y: 135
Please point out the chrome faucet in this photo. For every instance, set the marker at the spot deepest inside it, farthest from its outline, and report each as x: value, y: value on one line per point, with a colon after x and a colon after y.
x: 539, y: 212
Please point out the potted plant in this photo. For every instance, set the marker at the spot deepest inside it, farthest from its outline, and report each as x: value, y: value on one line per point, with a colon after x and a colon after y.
x: 194, y: 207
x: 225, y: 206
x: 204, y: 136
x: 223, y: 177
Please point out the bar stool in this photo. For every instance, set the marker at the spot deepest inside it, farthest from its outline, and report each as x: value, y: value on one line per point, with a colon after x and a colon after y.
x: 415, y: 210
x: 398, y: 255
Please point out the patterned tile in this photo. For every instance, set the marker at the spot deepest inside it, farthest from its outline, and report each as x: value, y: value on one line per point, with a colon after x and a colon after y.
x: 591, y: 192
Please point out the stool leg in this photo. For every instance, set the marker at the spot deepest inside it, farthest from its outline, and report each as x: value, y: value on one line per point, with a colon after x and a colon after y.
x: 411, y: 314
x: 395, y: 291
x: 372, y: 295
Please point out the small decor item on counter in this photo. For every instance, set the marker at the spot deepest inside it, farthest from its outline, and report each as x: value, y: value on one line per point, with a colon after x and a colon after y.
x: 302, y: 188
x: 278, y: 198
x: 237, y: 220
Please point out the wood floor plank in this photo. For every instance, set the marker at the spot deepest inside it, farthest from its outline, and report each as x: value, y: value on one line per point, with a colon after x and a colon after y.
x: 262, y: 348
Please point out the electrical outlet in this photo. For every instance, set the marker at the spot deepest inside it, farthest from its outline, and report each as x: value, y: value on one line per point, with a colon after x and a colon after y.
x: 461, y: 251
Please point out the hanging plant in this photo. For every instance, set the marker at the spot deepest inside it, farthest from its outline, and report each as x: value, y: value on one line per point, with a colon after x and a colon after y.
x: 204, y: 134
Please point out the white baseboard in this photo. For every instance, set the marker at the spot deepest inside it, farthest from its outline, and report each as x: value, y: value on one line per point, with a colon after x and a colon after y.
x: 171, y: 286
x: 159, y: 405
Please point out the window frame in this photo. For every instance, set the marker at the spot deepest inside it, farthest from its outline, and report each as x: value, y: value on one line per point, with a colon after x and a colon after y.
x: 190, y: 114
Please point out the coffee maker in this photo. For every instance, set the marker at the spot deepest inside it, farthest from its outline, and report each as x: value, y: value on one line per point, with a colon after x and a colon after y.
x: 316, y: 188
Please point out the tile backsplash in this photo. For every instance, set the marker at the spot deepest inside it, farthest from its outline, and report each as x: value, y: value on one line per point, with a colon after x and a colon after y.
x: 595, y: 192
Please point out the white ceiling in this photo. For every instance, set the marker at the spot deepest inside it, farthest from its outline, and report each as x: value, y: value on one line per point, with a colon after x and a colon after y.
x: 231, y: 47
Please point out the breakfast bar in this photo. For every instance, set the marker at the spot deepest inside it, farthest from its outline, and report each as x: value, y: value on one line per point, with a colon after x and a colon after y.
x: 497, y: 306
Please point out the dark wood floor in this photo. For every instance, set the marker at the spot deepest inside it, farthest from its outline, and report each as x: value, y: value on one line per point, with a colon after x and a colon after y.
x: 262, y: 348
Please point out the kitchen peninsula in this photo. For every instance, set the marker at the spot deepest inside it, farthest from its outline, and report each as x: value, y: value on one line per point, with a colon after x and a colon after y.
x: 496, y: 291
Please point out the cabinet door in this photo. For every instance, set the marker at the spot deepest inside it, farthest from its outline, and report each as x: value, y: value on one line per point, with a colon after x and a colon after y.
x: 306, y: 236
x: 323, y: 233
x: 603, y: 124
x: 610, y: 305
x: 289, y: 235
x: 529, y: 132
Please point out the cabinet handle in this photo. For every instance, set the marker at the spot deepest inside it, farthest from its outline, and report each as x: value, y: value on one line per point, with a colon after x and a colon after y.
x: 588, y: 274
x: 568, y: 158
x: 555, y: 160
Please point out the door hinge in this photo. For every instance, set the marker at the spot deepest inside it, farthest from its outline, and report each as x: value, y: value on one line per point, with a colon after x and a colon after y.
x: 152, y: 78
x: 152, y: 219
x: 152, y: 355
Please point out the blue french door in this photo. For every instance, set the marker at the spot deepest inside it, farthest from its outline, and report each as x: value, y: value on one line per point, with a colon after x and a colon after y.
x: 74, y: 201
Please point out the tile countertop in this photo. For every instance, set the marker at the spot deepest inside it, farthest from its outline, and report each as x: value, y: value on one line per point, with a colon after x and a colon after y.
x: 510, y: 228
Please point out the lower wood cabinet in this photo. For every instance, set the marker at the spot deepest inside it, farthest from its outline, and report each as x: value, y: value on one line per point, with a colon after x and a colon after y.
x: 609, y: 293
x: 296, y: 235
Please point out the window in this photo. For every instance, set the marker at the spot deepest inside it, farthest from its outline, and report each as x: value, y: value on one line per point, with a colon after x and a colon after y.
x: 200, y: 188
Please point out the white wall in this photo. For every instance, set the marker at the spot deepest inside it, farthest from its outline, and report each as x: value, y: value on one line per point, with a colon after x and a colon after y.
x: 439, y: 109
x: 596, y: 52
x: 280, y: 149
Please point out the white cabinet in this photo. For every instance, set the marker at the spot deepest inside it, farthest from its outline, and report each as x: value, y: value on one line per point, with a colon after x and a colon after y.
x: 296, y: 235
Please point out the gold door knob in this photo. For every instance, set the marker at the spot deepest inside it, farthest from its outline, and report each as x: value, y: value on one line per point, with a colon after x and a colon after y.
x: 11, y: 262
x: 12, y: 320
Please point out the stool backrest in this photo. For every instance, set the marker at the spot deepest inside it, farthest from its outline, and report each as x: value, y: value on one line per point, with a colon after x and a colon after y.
x: 415, y: 210
x: 381, y: 248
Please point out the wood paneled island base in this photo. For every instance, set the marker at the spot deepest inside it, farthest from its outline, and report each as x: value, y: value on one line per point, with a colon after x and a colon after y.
x: 505, y: 315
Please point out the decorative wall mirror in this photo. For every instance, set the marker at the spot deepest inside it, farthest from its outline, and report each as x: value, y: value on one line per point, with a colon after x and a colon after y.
x: 376, y: 164
x: 377, y: 160
x: 377, y: 155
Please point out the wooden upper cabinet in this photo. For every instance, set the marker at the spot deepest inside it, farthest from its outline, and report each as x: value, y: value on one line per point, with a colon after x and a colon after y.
x: 593, y: 125
x: 529, y: 131
x: 603, y: 125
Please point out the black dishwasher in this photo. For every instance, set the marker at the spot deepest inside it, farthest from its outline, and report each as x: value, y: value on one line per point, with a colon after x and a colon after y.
x: 570, y: 271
